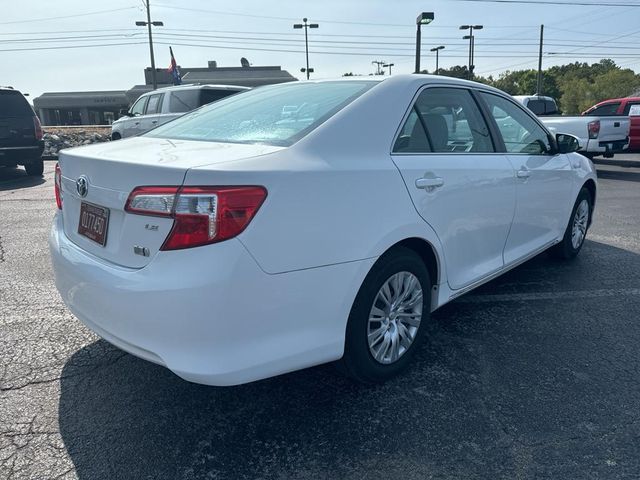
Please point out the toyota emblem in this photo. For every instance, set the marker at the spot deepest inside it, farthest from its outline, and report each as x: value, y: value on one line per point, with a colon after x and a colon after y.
x: 82, y: 186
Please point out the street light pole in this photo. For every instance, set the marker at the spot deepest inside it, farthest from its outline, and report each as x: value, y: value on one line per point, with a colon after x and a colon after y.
x: 437, y: 50
x: 149, y: 23
x: 470, y: 37
x: 425, y: 18
x: 306, y: 26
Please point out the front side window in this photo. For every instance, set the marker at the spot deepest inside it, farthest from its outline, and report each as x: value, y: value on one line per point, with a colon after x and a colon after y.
x: 444, y: 120
x: 138, y: 107
x: 520, y: 132
x: 605, y: 110
x: 274, y: 115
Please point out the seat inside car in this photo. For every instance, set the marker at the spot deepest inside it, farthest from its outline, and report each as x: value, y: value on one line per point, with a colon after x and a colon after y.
x: 438, y: 131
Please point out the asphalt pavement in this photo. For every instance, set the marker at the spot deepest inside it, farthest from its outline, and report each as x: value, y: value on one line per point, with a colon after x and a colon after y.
x: 534, y: 375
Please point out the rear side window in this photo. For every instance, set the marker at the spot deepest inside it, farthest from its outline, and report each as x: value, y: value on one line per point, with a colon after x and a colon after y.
x: 208, y: 95
x: 13, y: 104
x: 444, y: 120
x: 604, y: 110
x: 155, y: 103
x: 632, y: 109
x: 550, y: 107
x: 536, y: 106
x: 184, y: 101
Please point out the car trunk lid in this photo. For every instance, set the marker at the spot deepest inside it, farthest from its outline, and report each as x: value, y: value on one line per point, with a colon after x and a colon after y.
x: 109, y: 172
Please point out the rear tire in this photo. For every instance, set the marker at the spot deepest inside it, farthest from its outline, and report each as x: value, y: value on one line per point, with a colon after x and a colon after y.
x: 576, y: 230
x: 115, y: 136
x: 35, y: 168
x: 388, y: 318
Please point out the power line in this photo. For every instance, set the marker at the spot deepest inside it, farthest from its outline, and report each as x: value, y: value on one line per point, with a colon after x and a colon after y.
x: 552, y: 2
x: 68, y: 16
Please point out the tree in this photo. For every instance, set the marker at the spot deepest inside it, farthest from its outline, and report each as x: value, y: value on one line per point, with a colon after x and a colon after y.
x: 456, y: 71
x: 615, y: 84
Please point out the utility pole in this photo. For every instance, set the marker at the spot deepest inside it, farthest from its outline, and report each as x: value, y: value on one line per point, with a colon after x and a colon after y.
x: 389, y: 65
x: 539, y: 84
x: 149, y: 23
x: 378, y: 64
x: 306, y: 26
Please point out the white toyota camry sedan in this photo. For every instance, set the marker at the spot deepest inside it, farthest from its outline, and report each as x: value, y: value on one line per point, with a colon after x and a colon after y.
x: 310, y: 222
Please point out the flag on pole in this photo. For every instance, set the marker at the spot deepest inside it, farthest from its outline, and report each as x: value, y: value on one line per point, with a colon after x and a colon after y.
x: 174, y: 70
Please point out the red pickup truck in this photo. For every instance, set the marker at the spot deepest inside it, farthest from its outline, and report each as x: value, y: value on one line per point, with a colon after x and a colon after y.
x: 629, y: 106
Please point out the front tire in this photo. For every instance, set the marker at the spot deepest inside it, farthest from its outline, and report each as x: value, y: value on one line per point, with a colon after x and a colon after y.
x: 576, y: 231
x: 35, y: 168
x: 388, y: 317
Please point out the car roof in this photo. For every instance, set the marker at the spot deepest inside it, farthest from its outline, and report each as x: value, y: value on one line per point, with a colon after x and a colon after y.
x: 197, y: 86
x: 532, y: 97
x: 614, y: 100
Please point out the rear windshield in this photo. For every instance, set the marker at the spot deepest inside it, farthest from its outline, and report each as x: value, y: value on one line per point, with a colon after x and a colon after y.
x: 13, y: 104
x: 274, y: 115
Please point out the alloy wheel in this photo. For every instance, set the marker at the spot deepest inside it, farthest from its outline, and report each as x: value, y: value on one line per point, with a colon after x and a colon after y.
x: 395, y: 317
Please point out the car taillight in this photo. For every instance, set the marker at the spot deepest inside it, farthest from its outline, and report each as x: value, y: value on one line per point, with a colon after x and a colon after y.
x: 594, y: 129
x: 202, y: 215
x: 57, y: 185
x: 38, y: 128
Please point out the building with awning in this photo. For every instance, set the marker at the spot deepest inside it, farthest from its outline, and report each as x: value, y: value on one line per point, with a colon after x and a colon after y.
x: 80, y: 108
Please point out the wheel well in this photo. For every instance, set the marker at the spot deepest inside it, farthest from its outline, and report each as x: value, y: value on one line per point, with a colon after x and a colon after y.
x: 590, y: 185
x: 115, y: 136
x: 426, y: 252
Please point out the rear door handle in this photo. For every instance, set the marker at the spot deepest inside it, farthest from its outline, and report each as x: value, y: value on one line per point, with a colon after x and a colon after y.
x: 523, y: 173
x: 429, y: 183
x: 154, y: 121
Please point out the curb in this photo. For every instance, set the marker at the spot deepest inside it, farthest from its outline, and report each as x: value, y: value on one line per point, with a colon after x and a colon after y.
x: 617, y: 163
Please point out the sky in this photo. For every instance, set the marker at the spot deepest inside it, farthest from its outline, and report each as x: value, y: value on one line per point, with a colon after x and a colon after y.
x: 85, y: 45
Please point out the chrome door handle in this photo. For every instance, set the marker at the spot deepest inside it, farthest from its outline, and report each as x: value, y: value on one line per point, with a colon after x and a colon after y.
x: 523, y: 173
x: 429, y: 183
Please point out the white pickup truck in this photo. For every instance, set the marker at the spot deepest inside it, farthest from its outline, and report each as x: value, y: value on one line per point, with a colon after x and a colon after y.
x: 157, y: 107
x: 597, y: 135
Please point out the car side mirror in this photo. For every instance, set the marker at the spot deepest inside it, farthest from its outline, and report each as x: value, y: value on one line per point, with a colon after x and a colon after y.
x: 567, y: 143
x: 124, y: 113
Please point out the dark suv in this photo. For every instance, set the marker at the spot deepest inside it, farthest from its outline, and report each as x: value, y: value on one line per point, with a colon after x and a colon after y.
x: 20, y: 133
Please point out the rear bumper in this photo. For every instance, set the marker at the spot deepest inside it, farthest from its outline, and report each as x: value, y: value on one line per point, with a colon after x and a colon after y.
x: 21, y: 155
x: 597, y: 146
x: 210, y: 314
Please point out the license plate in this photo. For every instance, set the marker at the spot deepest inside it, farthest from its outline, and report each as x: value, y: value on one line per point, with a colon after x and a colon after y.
x: 93, y: 223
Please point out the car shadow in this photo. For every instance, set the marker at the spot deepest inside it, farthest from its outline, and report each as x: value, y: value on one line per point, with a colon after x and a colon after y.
x: 12, y: 178
x: 494, y: 378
